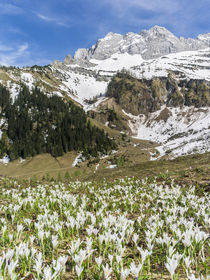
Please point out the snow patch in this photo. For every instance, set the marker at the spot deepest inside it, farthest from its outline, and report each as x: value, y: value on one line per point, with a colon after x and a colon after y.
x: 22, y: 160
x: 186, y: 131
x: 117, y: 62
x: 1, y: 123
x: 82, y: 86
x: 191, y: 64
x: 97, y: 166
x: 28, y: 79
x: 14, y: 90
x: 77, y: 160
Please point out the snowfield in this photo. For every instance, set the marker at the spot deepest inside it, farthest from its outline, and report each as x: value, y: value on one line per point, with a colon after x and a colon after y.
x: 82, y: 87
x: 190, y: 64
x: 185, y: 131
x: 117, y: 62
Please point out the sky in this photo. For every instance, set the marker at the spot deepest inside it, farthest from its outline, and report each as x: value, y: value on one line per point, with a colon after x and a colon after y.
x: 40, y: 31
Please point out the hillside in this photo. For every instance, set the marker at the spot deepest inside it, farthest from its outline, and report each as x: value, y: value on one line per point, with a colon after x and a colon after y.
x: 173, y: 113
x: 37, y: 123
x: 164, y: 99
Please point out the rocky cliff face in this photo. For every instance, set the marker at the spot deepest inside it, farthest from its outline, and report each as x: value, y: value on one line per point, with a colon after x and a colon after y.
x: 151, y: 43
x: 146, y: 96
x: 166, y: 92
x: 173, y: 112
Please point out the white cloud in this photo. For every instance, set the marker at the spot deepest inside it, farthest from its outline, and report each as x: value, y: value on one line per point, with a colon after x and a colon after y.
x: 184, y: 18
x: 5, y: 48
x: 11, y: 56
x: 22, y: 55
x: 56, y: 20
x: 9, y: 9
x: 152, y: 5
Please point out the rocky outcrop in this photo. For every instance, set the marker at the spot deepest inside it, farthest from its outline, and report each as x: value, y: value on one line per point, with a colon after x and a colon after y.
x: 146, y: 96
x: 152, y: 43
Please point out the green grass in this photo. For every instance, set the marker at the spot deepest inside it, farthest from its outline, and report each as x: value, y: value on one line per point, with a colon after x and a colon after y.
x: 192, y: 169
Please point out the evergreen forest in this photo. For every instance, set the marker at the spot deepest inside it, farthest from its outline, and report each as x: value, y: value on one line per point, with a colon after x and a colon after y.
x: 36, y: 123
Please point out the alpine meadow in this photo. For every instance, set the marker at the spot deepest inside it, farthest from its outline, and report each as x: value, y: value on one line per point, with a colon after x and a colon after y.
x: 104, y: 153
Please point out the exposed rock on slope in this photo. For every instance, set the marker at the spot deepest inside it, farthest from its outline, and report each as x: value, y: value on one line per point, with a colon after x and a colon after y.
x: 173, y: 113
x: 168, y: 75
x: 151, y: 43
x: 146, y: 96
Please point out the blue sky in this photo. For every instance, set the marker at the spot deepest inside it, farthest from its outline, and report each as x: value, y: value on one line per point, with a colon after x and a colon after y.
x: 40, y: 31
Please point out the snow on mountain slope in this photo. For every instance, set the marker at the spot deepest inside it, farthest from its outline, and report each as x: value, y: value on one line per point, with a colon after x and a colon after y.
x: 85, y: 83
x: 180, y: 131
x: 152, y: 43
x: 28, y: 79
x: 151, y: 53
x: 14, y: 89
x: 117, y: 62
x: 189, y: 64
x: 83, y: 86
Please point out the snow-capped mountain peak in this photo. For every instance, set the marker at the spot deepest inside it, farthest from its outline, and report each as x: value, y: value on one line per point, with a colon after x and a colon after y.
x: 152, y: 43
x: 148, y: 55
x: 204, y: 38
x: 156, y: 31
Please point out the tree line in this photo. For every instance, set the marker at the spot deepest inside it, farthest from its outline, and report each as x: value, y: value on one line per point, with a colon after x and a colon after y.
x: 37, y: 123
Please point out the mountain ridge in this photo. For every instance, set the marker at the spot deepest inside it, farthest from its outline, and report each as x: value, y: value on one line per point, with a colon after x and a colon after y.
x: 152, y: 43
x: 85, y: 77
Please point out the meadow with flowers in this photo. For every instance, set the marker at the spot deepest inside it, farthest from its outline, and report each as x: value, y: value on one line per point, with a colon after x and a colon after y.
x: 127, y: 229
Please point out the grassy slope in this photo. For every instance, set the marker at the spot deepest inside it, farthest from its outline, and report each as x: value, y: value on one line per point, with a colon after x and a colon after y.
x: 192, y: 169
x: 136, y: 162
x: 188, y: 169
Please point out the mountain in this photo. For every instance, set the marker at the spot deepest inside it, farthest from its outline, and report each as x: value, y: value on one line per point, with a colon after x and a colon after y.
x: 151, y: 43
x: 174, y: 113
x: 167, y: 86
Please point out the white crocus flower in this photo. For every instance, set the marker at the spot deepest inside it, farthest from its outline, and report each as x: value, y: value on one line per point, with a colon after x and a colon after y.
x: 10, y: 237
x: 62, y: 260
x: 171, y: 265
x: 48, y: 275
x: 20, y: 228
x: 144, y: 254
x: 32, y: 238
x: 124, y: 273
x: 54, y: 241
x: 135, y: 270
x: 171, y: 251
x: 135, y: 238
x: 119, y: 259
x: 38, y: 264
x: 11, y: 268
x: 79, y: 270
x: 110, y: 257
x: 99, y: 261
x: 107, y: 271
x: 9, y: 255
x: 4, y: 228
x: 41, y: 235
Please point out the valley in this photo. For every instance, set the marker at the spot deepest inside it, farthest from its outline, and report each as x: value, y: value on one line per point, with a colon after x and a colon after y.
x: 104, y: 161
x: 153, y: 103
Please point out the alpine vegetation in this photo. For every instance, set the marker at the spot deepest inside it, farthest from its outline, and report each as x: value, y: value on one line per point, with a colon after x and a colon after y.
x: 128, y: 229
x: 36, y: 123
